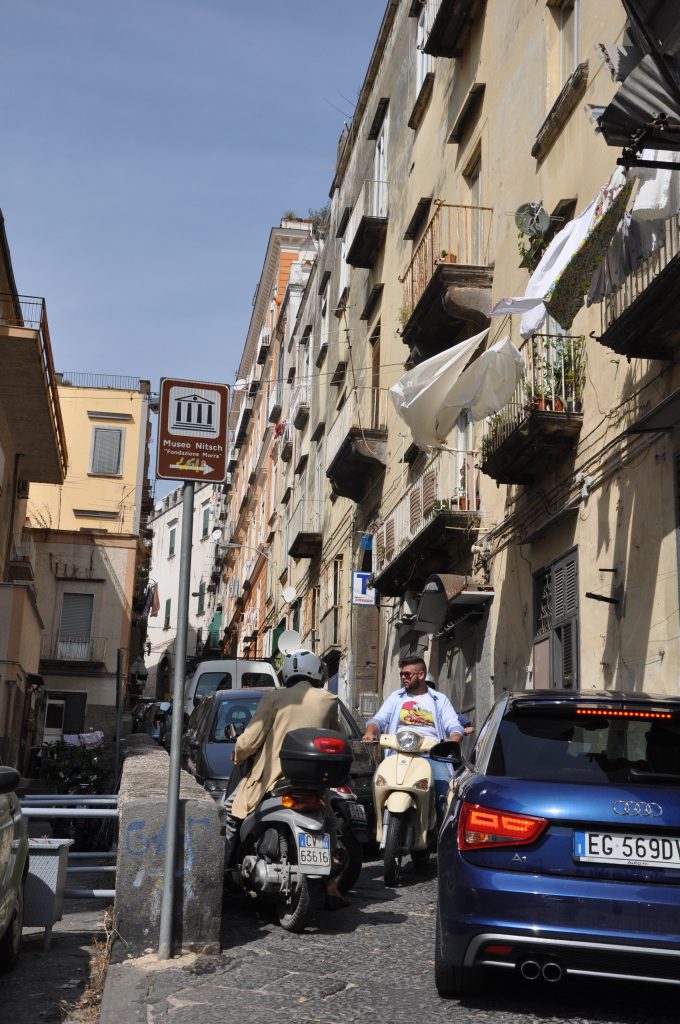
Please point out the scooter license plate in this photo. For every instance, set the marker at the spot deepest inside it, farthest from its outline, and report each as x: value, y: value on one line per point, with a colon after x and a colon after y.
x: 314, y: 851
x: 357, y: 812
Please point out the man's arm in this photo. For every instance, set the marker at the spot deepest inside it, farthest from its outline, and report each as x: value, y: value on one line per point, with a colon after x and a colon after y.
x: 451, y: 723
x: 257, y: 730
x: 380, y: 720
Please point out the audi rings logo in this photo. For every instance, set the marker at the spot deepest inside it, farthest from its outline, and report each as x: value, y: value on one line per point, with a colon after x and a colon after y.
x: 635, y: 808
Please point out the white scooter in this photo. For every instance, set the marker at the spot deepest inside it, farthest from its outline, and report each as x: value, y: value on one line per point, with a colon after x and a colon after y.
x: 403, y: 786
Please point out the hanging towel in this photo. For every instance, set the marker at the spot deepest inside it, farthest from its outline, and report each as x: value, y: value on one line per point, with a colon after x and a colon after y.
x: 658, y: 196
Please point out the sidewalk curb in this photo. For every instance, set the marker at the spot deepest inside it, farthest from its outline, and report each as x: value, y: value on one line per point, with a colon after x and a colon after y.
x: 124, y: 996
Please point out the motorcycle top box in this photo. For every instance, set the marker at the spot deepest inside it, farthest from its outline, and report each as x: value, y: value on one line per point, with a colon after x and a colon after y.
x: 321, y: 757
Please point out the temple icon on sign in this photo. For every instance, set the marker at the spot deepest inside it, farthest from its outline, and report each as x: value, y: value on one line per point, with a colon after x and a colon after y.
x: 194, y: 413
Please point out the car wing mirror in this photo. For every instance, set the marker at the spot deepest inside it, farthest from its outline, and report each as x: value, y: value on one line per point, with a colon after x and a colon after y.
x: 449, y: 752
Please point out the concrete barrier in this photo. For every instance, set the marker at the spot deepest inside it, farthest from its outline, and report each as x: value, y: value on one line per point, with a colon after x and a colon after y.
x: 141, y: 851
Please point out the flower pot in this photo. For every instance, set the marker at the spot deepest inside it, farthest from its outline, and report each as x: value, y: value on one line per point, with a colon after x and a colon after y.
x: 574, y: 405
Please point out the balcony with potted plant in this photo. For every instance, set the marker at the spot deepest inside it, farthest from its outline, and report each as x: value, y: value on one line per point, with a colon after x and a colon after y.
x: 543, y: 419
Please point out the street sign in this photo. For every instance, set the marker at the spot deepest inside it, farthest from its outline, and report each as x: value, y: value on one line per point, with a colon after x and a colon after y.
x: 192, y: 431
x: 361, y: 592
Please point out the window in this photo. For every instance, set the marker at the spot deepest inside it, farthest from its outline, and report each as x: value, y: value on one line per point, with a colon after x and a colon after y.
x: 556, y: 630
x: 568, y: 23
x: 107, y: 451
x: 166, y: 617
x: 475, y: 222
x: 171, y: 541
x: 380, y: 170
x: 201, y: 599
x: 75, y: 627
x: 205, y: 525
x: 423, y: 60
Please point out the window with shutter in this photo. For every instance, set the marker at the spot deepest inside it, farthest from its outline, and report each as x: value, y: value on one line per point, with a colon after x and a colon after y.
x: 166, y: 617
x: 415, y: 514
x: 205, y: 526
x: 107, y: 451
x: 429, y: 492
x: 75, y: 627
x: 389, y: 539
x: 556, y: 603
x: 171, y: 542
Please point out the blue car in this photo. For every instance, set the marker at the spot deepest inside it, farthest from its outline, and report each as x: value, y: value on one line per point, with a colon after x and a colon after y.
x: 560, y: 851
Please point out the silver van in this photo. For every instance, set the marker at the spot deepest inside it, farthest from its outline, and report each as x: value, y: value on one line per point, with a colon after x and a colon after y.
x: 226, y: 674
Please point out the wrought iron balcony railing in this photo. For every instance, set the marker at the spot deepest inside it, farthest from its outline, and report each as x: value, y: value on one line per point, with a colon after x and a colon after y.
x: 365, y: 409
x: 74, y: 649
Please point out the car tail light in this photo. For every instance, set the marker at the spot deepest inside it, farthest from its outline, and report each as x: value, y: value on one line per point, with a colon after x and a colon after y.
x: 345, y: 790
x: 613, y: 713
x: 479, y: 827
x: 329, y: 745
x: 302, y: 801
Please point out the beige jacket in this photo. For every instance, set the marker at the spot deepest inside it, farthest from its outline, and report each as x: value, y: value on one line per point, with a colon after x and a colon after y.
x: 297, y: 707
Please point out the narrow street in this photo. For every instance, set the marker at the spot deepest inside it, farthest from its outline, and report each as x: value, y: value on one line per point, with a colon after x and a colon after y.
x: 371, y: 962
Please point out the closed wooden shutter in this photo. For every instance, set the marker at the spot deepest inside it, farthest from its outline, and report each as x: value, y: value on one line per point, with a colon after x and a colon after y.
x: 389, y: 539
x: 429, y: 492
x: 415, y: 513
x: 76, y: 616
x: 106, y: 451
x: 565, y: 623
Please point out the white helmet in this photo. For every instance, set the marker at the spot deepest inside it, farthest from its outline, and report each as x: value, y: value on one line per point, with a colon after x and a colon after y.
x: 303, y: 665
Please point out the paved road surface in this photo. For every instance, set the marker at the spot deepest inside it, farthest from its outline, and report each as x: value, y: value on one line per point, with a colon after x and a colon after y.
x: 372, y: 963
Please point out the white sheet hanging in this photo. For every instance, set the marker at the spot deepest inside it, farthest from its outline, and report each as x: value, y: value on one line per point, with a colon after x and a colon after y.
x: 431, y: 397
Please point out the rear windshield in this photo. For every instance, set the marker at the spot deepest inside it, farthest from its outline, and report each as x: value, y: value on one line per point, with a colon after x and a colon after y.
x: 211, y: 681
x: 254, y: 680
x: 233, y: 712
x: 566, y: 745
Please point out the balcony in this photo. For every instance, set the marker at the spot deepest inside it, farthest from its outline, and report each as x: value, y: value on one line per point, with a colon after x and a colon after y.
x: 275, y: 403
x: 542, y: 421
x: 284, y: 437
x: 242, y: 422
x: 446, y: 26
x: 415, y: 539
x: 21, y: 567
x: 367, y: 225
x: 356, y: 444
x: 73, y: 652
x: 263, y: 351
x: 447, y: 284
x: 299, y: 406
x: 304, y: 531
x: 329, y: 632
x: 640, y: 319
x: 28, y: 389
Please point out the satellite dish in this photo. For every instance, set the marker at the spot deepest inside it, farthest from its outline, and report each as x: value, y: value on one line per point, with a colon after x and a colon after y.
x: 289, y: 594
x: 289, y: 641
x: 531, y: 219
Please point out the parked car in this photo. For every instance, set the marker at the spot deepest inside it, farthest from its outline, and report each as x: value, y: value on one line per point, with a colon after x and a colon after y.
x: 226, y: 674
x: 139, y: 710
x: 13, y: 869
x: 154, y: 718
x: 206, y: 749
x: 560, y: 852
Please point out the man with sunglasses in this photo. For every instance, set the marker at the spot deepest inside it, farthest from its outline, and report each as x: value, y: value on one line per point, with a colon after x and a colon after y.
x: 418, y: 707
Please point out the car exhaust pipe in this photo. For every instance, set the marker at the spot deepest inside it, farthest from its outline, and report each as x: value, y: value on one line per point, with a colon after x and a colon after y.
x: 552, y: 971
x: 530, y: 969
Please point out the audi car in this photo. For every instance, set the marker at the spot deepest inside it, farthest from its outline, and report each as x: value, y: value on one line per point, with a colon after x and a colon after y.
x: 560, y: 850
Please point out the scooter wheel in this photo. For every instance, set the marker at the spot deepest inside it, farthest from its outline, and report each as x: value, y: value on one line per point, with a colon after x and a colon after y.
x: 394, y: 849
x: 296, y: 912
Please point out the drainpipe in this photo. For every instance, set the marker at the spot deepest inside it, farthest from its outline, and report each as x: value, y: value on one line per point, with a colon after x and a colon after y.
x: 12, y: 516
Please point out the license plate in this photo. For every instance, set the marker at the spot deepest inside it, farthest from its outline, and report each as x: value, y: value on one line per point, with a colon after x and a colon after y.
x: 633, y: 850
x: 314, y: 851
x: 357, y: 812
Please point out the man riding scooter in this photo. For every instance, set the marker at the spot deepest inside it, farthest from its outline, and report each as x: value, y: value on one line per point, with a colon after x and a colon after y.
x: 301, y: 703
x: 412, y: 720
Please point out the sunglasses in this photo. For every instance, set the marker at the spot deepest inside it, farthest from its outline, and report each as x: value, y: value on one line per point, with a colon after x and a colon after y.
x: 408, y: 675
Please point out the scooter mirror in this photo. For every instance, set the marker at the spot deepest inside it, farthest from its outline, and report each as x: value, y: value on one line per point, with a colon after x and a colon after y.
x: 448, y: 751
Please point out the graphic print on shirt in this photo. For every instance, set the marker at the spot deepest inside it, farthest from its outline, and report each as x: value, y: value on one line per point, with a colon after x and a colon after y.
x: 412, y: 713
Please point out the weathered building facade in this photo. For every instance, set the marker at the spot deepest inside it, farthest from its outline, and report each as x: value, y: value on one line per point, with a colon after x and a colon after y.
x: 537, y: 547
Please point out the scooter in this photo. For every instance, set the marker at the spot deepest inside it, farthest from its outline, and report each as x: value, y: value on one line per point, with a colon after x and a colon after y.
x: 284, y: 850
x: 406, y: 818
x: 352, y: 828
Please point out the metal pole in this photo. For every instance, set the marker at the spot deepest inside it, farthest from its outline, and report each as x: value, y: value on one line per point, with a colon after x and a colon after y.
x: 168, y: 894
x: 119, y: 716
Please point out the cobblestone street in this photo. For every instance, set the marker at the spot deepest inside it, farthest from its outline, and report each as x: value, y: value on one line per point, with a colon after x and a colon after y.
x: 370, y: 962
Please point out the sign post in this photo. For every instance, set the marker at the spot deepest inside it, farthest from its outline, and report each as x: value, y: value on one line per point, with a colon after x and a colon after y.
x: 192, y: 445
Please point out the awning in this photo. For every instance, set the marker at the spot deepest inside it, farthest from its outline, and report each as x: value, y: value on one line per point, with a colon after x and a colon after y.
x: 443, y: 595
x: 431, y: 397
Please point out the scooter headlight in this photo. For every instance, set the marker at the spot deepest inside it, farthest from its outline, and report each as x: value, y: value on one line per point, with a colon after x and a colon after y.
x: 408, y: 740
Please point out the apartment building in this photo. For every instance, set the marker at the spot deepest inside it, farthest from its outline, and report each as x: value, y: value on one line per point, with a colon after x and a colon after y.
x: 90, y: 553
x: 538, y: 546
x: 205, y: 633
x: 33, y: 450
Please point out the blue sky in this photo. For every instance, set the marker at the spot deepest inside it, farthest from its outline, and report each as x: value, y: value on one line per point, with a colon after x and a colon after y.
x: 148, y: 148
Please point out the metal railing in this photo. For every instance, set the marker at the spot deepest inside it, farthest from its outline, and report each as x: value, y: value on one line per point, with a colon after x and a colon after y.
x: 24, y: 552
x: 306, y: 518
x: 449, y: 483
x: 455, y: 235
x: 275, y: 401
x: 634, y: 285
x: 114, y: 382
x: 371, y: 202
x: 74, y: 648
x: 364, y: 409
x: 553, y: 381
x: 299, y: 399
x: 29, y: 311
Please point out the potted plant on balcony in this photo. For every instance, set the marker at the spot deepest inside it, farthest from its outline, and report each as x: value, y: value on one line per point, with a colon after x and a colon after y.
x: 447, y: 257
x: 537, y: 396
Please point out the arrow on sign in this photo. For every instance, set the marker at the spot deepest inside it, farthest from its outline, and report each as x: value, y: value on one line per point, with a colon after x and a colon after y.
x: 192, y: 466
